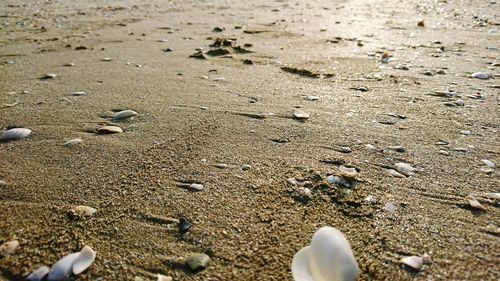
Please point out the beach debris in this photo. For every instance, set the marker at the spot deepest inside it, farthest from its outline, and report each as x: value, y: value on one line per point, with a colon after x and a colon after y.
x: 421, y: 23
x: 218, y: 52
x: 8, y: 248
x: 109, y: 130
x: 124, y: 114
x: 405, y: 168
x: 198, y: 55
x: 78, y: 93
x: 394, y: 173
x: 2, y: 183
x: 48, y: 76
x: 196, y: 186
x: 198, y: 261
x: 73, y: 142
x: 83, y: 210
x: 300, y: 115
x: 329, y: 257
x: 69, y: 64
x: 246, y: 167
x: 15, y: 134
x: 474, y: 203
x: 312, y: 98
x: 16, y: 102
x: 489, y: 163
x: 414, y: 262
x: 426, y: 259
x: 38, y: 274
x: 390, y: 207
x: 184, y: 225
x: 397, y: 148
x: 164, y: 278
x: 74, y: 263
x: 480, y: 75
x: 385, y: 57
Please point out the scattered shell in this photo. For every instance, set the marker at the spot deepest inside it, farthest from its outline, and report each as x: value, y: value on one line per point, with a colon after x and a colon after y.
x: 301, y: 115
x: 398, y: 148
x: 73, y: 142
x: 348, y: 173
x: 74, y: 263
x: 84, y: 210
x: 404, y: 168
x: 109, y: 130
x: 344, y: 149
x: 221, y: 165
x: 198, y: 261
x: 69, y: 64
x: 394, y: 173
x: 15, y: 134
x: 413, y: 262
x: 329, y: 257
x: 474, y: 203
x: 196, y: 186
x: 79, y: 93
x: 426, y: 259
x: 84, y: 260
x: 164, y: 278
x: 489, y: 163
x: 312, y: 98
x: 2, y: 183
x: 465, y: 132
x: 8, y: 248
x: 480, y: 75
x: 49, y: 76
x: 459, y: 103
x: 390, y: 207
x: 245, y: 167
x: 38, y: 274
x: 106, y: 59
x: 124, y: 114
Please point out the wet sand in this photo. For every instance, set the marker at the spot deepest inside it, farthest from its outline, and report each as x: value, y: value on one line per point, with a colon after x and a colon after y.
x: 194, y: 114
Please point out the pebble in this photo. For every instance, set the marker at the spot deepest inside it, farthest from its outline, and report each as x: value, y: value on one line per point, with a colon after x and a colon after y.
x: 300, y: 115
x: 489, y: 163
x: 106, y: 59
x: 312, y: 98
x: 84, y: 210
x: 404, y: 168
x: 245, y: 167
x: 474, y: 203
x: 109, y: 130
x: 394, y: 173
x: 8, y: 248
x: 465, y: 132
x: 344, y: 149
x: 198, y: 261
x: 38, y: 274
x: 49, y: 76
x: 124, y: 114
x: 184, y: 225
x: 296, y: 182
x: 413, y: 262
x: 459, y: 103
x: 390, y: 207
x: 164, y: 278
x: 69, y: 64
x: 73, y: 142
x: 15, y: 134
x: 196, y: 186
x: 426, y: 259
x: 480, y: 75
x: 397, y: 148
x: 221, y: 165
x: 79, y: 93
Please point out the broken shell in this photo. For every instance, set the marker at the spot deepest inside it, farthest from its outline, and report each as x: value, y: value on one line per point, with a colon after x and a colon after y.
x: 348, y: 173
x: 474, y: 203
x: 301, y: 115
x: 38, y: 274
x: 196, y: 186
x: 480, y: 75
x: 198, y: 261
x: 394, y: 173
x: 489, y: 163
x: 84, y: 210
x: 8, y: 248
x: 49, y: 76
x: 124, y: 114
x: 404, y: 168
x: 78, y: 93
x: 413, y: 262
x: 72, y: 142
x: 84, y: 260
x: 426, y: 259
x: 109, y: 130
x: 15, y: 134
x: 329, y: 257
x: 63, y: 267
x: 164, y: 278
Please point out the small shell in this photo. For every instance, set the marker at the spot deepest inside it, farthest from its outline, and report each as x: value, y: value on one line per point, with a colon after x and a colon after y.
x: 312, y: 98
x: 15, y: 134
x: 164, y: 278
x: 348, y: 173
x: 196, y: 186
x: 124, y: 114
x: 426, y: 259
x: 62, y: 268
x: 480, y: 75
x: 198, y: 261
x: 474, y: 203
x: 301, y: 115
x: 109, y: 130
x: 489, y: 163
x: 73, y: 142
x: 8, y: 248
x: 49, y: 76
x: 404, y: 168
x: 414, y: 262
x: 79, y: 93
x: 38, y: 274
x: 84, y: 260
x: 85, y: 210
x: 394, y: 173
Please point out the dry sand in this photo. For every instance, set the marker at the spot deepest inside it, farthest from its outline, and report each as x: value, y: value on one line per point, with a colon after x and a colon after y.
x: 195, y: 114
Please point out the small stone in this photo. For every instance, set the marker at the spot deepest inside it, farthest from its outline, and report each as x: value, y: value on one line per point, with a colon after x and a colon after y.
x: 198, y: 261
x: 394, y: 173
x: 198, y: 55
x: 413, y: 262
x: 247, y: 61
x: 390, y: 207
x: 78, y: 93
x: 218, y: 52
x: 196, y: 186
x: 164, y: 278
x: 300, y: 115
x: 221, y: 165
x: 109, y: 130
x: 73, y: 142
x: 480, y: 75
x: 69, y: 64
x: 184, y: 225
x: 348, y: 173
x: 444, y: 152
x: 15, y: 134
x: 397, y: 148
x: 8, y: 248
x: 474, y: 203
x: 38, y: 274
x: 459, y: 103
x: 489, y: 163
x: 404, y: 168
x: 81, y: 48
x: 421, y: 23
x: 370, y: 147
x: 245, y: 167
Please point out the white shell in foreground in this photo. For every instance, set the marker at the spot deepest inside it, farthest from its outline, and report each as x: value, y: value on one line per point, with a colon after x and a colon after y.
x: 109, y: 130
x: 414, y: 262
x: 404, y: 168
x: 73, y: 142
x: 301, y: 115
x: 480, y: 75
x: 62, y: 268
x: 84, y: 260
x: 38, y: 274
x: 15, y: 134
x: 329, y: 258
x: 124, y: 114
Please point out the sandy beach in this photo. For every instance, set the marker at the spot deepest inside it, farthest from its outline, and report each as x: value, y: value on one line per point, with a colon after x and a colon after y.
x: 263, y: 106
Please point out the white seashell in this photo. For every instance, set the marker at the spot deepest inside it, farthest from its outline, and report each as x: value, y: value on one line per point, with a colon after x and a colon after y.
x: 15, y: 134
x: 480, y: 75
x: 2, y: 183
x: 196, y: 186
x: 348, y: 173
x: 85, y: 210
x: 79, y: 93
x: 297, y: 114
x: 489, y: 163
x: 474, y: 203
x: 426, y: 259
x: 404, y: 168
x: 8, y: 248
x: 38, y: 274
x: 164, y: 278
x: 84, y: 260
x: 109, y: 130
x: 328, y: 258
x: 62, y: 268
x: 394, y: 173
x: 124, y: 114
x: 312, y: 98
x: 413, y: 262
x: 72, y: 142
x: 390, y: 207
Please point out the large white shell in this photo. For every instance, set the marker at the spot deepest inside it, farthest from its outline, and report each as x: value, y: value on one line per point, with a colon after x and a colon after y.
x: 329, y: 258
x: 84, y: 260
x: 62, y: 268
x: 301, y: 115
x: 15, y: 134
x: 124, y: 114
x: 413, y: 262
x: 480, y: 75
x: 404, y: 168
x: 73, y: 142
x: 38, y: 274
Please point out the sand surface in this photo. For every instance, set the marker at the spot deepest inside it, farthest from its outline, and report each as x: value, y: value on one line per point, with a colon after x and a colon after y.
x: 195, y: 114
